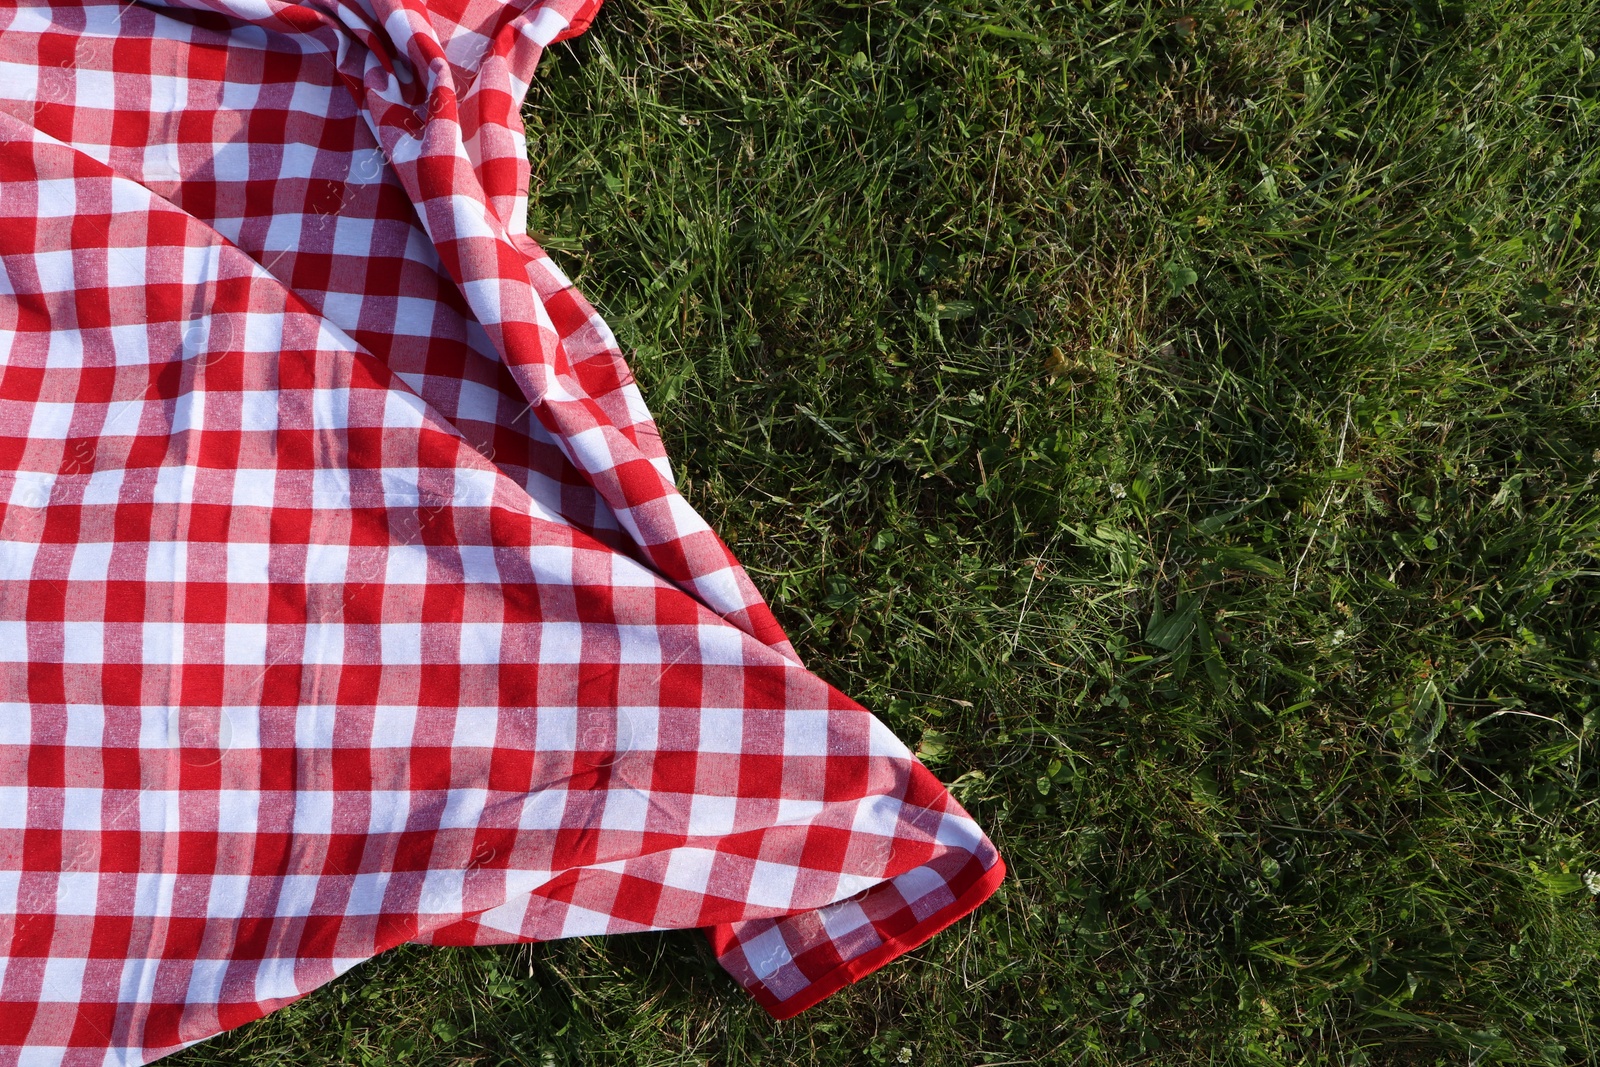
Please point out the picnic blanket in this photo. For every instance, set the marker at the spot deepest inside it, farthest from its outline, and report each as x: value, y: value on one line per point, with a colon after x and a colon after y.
x: 346, y: 597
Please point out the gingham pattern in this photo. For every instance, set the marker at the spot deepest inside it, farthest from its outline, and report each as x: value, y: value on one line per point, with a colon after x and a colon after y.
x: 345, y: 595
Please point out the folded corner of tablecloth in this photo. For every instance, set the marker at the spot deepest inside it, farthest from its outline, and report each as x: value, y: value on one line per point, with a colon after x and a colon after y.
x: 810, y: 977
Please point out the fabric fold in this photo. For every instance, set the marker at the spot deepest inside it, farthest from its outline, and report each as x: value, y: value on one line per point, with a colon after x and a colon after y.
x: 346, y: 596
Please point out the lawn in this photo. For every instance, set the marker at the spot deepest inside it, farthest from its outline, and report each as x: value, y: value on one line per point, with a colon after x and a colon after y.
x: 1182, y: 425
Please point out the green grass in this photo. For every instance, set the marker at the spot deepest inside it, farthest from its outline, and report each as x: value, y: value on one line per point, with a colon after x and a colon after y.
x: 1181, y: 423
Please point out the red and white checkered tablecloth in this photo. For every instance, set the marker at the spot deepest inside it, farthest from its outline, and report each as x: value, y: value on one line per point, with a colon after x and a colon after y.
x: 346, y: 598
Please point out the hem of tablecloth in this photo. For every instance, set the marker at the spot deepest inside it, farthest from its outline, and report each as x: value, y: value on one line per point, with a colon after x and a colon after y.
x: 580, y: 21
x: 853, y: 970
